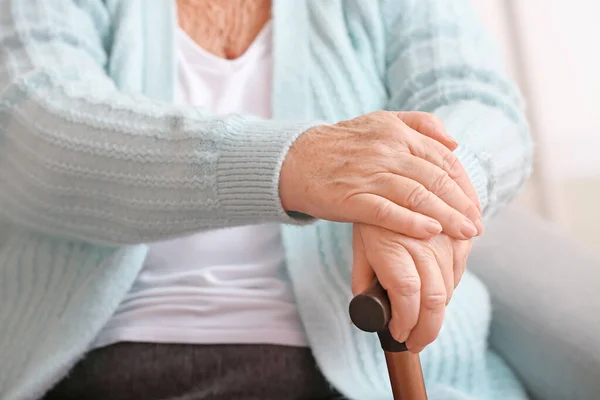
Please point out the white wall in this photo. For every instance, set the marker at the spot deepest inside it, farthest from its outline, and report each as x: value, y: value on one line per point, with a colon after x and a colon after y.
x: 494, y: 15
x: 560, y: 39
x: 556, y: 43
x: 552, y: 48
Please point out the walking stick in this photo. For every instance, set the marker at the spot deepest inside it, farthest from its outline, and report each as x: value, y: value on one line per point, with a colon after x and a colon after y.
x: 370, y: 311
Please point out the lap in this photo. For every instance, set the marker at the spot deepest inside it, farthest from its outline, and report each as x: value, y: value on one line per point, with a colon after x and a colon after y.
x: 195, y: 372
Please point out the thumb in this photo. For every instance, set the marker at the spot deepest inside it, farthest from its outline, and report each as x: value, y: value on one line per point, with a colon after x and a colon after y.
x: 362, y: 273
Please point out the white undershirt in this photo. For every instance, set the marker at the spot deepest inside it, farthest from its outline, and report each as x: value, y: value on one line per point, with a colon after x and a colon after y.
x: 221, y: 286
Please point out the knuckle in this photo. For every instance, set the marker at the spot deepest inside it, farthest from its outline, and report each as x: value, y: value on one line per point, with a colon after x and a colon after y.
x: 383, y: 211
x: 443, y: 184
x: 434, y: 301
x: 455, y: 218
x: 379, y: 114
x: 434, y: 119
x: 472, y: 210
x: 428, y: 337
x: 431, y: 245
x: 418, y: 196
x: 407, y: 286
x: 396, y: 253
x: 395, y: 125
x: 381, y: 149
x: 392, y: 130
x: 451, y: 165
x: 384, y: 119
x: 413, y: 224
x: 383, y: 179
x: 424, y: 255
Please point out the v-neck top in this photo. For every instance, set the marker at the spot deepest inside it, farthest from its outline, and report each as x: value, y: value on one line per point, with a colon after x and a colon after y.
x: 219, y: 286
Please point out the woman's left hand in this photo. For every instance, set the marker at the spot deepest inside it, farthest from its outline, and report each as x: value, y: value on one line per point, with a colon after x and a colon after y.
x: 419, y: 276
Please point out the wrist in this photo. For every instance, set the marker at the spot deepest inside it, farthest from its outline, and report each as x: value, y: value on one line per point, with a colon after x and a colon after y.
x: 288, y: 184
x: 249, y: 167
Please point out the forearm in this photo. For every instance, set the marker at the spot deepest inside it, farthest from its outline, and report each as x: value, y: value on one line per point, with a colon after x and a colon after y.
x: 81, y: 159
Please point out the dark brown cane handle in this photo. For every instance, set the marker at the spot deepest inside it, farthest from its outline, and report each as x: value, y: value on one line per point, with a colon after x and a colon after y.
x: 371, y: 311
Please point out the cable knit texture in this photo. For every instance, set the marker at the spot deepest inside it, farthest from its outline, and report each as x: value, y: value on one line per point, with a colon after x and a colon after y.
x: 95, y: 162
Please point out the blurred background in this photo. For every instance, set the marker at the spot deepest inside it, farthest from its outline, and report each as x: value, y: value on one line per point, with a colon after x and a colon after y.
x: 551, y: 48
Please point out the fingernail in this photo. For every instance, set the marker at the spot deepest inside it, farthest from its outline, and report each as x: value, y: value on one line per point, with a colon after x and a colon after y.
x: 479, y: 225
x: 433, y: 227
x: 468, y: 229
x: 451, y: 139
x: 403, y: 336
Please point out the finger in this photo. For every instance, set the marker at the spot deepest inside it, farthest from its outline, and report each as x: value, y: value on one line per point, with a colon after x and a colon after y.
x: 434, y: 152
x: 397, y: 274
x: 429, y: 125
x: 362, y: 273
x: 439, y: 182
x: 462, y: 249
x: 372, y: 209
x: 433, y: 299
x: 443, y: 250
x: 413, y: 196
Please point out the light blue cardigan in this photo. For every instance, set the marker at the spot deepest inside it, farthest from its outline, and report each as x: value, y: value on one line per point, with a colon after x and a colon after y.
x: 95, y: 160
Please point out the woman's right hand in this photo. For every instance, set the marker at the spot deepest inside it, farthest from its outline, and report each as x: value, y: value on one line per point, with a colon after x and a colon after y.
x: 395, y: 170
x: 418, y: 275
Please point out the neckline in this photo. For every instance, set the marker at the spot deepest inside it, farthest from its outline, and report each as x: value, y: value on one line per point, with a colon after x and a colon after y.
x: 290, y: 51
x: 258, y: 44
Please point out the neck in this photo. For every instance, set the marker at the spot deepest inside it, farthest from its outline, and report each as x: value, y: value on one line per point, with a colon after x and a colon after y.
x: 225, y: 28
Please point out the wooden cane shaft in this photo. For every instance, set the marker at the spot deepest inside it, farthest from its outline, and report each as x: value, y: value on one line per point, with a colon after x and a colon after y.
x: 371, y: 312
x: 406, y: 376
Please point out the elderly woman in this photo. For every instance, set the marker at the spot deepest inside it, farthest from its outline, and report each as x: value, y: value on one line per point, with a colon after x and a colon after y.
x: 189, y: 217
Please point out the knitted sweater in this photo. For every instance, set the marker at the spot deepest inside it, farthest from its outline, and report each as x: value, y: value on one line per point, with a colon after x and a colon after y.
x: 95, y: 162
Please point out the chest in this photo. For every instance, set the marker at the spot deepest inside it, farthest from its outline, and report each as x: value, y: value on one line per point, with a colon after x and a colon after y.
x: 328, y: 55
x: 225, y: 28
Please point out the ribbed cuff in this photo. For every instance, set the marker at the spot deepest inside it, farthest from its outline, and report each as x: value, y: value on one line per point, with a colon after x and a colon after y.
x: 249, y: 167
x: 463, y: 122
x: 476, y: 173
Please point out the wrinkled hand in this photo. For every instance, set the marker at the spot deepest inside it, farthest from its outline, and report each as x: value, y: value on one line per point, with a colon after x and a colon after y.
x: 418, y: 275
x: 389, y: 169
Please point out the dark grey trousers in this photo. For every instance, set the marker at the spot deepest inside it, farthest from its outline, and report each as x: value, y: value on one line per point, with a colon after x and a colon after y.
x: 148, y: 371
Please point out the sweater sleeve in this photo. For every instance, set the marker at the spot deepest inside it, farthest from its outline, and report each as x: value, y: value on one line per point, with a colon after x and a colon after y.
x: 441, y: 60
x: 81, y: 159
